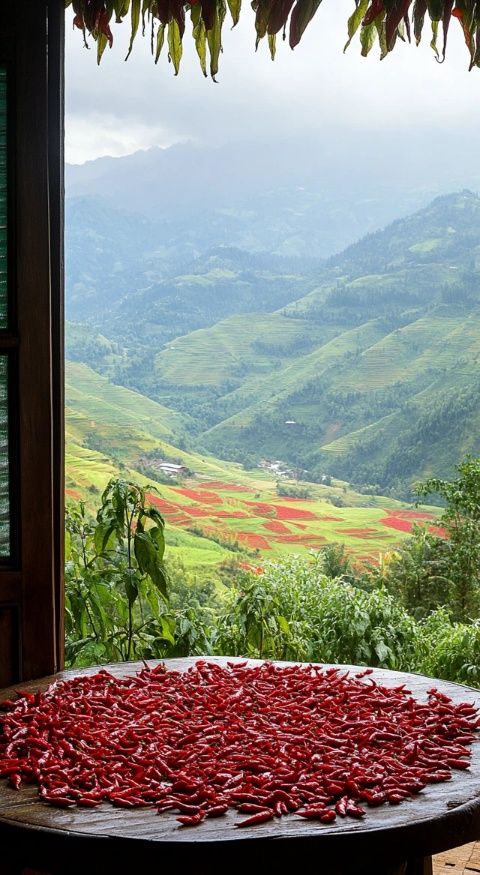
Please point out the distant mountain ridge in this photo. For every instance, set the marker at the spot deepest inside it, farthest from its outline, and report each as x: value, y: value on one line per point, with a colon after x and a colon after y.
x: 291, y: 198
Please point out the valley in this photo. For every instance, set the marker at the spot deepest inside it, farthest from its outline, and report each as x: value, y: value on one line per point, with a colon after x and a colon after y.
x: 362, y: 367
x: 220, y: 512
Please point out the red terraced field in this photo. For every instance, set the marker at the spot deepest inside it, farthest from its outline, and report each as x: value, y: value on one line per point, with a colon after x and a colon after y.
x: 357, y: 533
x: 163, y: 505
x: 196, y: 511
x: 255, y: 542
x: 229, y: 487
x: 437, y: 530
x: 261, y: 508
x: 180, y: 520
x: 72, y: 493
x: 411, y: 514
x: 276, y: 526
x: 201, y: 495
x: 299, y: 525
x: 300, y: 539
x: 293, y: 513
x: 230, y: 515
x: 395, y: 522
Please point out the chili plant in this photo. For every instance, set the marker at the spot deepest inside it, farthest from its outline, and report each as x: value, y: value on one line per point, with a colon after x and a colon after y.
x: 116, y: 592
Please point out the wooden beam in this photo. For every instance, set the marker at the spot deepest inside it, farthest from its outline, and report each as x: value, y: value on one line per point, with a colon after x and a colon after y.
x: 56, y: 114
x: 39, y: 634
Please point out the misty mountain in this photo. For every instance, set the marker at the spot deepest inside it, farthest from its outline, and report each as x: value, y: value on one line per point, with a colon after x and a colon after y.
x: 287, y: 198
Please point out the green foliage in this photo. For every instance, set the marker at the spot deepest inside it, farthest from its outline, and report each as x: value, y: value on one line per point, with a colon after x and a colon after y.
x: 382, y: 22
x: 290, y: 491
x: 418, y: 573
x: 461, y: 519
x: 408, y: 614
x: 293, y: 611
x: 116, y: 585
x: 448, y: 650
x: 336, y: 561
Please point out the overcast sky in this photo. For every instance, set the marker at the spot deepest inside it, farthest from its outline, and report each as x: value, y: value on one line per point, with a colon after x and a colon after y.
x: 313, y: 92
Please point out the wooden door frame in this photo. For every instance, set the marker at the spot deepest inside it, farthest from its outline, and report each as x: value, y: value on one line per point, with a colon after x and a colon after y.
x: 31, y: 583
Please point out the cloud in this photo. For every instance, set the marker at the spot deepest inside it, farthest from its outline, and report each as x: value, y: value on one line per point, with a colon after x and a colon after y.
x: 315, y: 92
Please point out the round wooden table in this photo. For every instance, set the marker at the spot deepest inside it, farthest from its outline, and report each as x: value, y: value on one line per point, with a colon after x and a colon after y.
x: 390, y: 840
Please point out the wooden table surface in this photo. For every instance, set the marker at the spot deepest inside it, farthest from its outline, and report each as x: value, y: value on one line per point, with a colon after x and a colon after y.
x: 108, y: 839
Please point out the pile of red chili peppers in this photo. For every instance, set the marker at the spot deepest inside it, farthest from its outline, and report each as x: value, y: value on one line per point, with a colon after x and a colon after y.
x: 265, y: 740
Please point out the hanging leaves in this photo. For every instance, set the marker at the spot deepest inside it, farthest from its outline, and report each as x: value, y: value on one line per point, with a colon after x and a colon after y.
x: 376, y: 21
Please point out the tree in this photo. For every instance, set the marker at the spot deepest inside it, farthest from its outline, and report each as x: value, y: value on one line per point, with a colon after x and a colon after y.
x: 461, y: 521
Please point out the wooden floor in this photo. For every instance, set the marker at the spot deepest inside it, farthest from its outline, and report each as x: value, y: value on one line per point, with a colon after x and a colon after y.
x: 461, y: 861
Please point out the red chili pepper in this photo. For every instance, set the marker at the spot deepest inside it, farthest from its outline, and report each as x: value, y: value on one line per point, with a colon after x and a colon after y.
x: 240, y: 737
x: 260, y: 817
x: 192, y: 820
x: 250, y: 808
x: 354, y: 810
x: 217, y: 810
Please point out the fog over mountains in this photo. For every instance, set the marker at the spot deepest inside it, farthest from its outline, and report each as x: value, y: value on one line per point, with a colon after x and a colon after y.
x: 292, y: 197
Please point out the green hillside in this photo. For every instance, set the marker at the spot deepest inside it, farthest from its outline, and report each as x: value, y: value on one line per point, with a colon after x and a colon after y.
x: 372, y: 376
x: 219, y: 511
x: 363, y: 368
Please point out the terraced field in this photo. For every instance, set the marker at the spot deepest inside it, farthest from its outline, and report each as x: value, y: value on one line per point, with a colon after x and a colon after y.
x: 221, y: 511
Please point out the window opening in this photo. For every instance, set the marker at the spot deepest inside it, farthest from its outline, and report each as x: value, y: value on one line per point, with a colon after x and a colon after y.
x: 278, y: 331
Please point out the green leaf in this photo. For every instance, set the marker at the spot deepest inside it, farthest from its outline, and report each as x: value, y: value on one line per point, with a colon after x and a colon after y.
x: 149, y: 559
x: 382, y: 651
x: 419, y: 12
x: 68, y: 545
x: 101, y: 537
x: 382, y: 37
x: 102, y: 43
x: 168, y: 629
x: 153, y: 514
x: 214, y: 37
x: 145, y: 552
x: 136, y: 8
x: 131, y: 588
x: 174, y: 45
x: 121, y: 9
x: 156, y: 534
x: 355, y: 21
x: 433, y: 43
x: 199, y: 35
x: 367, y: 38
x: 272, y: 44
x: 160, y: 41
x: 283, y: 624
x: 235, y: 7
